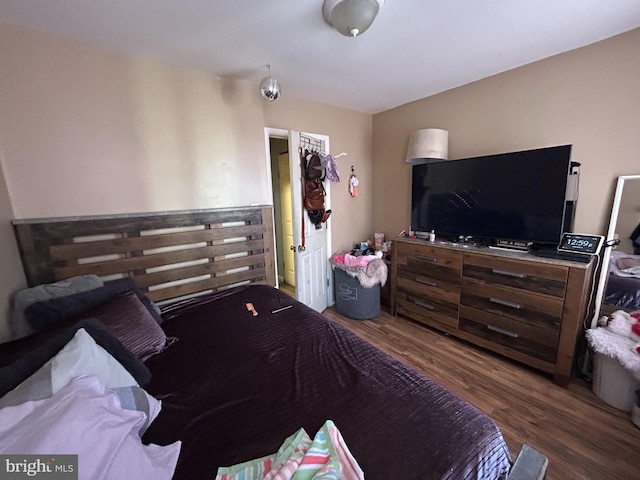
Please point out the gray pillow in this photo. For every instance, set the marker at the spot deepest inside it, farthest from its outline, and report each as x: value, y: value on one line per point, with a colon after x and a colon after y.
x: 22, y: 299
x: 45, y: 315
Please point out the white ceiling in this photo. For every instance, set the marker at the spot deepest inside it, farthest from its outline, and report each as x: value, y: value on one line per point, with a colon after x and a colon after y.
x: 414, y: 49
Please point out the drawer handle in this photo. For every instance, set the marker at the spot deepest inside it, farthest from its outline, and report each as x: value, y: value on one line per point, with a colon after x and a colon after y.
x: 426, y: 281
x: 505, y: 303
x: 508, y: 333
x: 424, y: 305
x: 426, y: 258
x: 507, y: 273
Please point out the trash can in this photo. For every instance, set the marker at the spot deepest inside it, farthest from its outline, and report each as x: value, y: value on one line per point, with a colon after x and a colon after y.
x: 353, y: 300
x: 612, y: 383
x: 616, y: 367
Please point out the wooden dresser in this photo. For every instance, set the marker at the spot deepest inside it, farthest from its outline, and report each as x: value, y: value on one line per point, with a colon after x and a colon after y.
x: 527, y: 308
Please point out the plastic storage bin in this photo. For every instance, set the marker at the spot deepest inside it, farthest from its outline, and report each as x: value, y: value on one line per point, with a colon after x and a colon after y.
x: 353, y: 300
x: 612, y: 383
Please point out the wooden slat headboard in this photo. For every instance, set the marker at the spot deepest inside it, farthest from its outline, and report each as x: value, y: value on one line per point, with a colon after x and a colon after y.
x: 170, y: 255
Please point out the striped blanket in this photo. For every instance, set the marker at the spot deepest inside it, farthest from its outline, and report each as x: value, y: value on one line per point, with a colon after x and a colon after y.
x: 326, y: 457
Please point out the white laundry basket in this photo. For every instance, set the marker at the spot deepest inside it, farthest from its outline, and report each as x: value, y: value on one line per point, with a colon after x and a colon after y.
x: 612, y: 383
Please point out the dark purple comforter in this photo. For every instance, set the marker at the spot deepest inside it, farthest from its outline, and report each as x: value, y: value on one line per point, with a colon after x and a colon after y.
x: 234, y: 386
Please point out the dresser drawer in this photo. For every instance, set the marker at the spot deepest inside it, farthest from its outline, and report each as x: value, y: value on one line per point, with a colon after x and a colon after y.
x: 534, y: 339
x: 535, y: 277
x: 512, y: 302
x: 428, y: 258
x: 431, y: 311
x: 442, y: 285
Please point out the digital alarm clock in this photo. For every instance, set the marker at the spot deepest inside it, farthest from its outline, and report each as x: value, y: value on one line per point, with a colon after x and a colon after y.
x: 583, y: 243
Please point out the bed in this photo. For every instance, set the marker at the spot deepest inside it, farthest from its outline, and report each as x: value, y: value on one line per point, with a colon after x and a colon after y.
x: 240, y: 366
x: 623, y: 282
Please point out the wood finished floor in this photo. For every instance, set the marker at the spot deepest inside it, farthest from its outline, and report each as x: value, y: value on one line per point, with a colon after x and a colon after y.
x: 583, y: 437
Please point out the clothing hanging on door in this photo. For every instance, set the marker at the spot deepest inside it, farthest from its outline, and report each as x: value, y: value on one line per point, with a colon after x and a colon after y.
x: 313, y: 192
x: 331, y: 167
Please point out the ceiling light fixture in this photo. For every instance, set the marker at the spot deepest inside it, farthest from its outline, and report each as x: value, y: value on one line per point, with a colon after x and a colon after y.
x: 269, y: 87
x: 351, y: 17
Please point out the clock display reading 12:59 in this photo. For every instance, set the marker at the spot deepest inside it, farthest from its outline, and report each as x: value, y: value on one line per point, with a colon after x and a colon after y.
x: 581, y: 243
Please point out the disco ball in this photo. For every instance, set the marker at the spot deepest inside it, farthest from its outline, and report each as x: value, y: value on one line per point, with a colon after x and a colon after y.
x: 270, y: 89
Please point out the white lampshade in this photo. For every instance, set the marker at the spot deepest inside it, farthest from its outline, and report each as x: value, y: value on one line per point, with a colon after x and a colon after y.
x: 428, y: 145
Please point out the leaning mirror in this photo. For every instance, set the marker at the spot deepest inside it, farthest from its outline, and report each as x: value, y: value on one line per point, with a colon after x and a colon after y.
x: 619, y: 282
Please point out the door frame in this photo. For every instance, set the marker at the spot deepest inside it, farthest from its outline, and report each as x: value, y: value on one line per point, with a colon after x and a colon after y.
x: 270, y: 132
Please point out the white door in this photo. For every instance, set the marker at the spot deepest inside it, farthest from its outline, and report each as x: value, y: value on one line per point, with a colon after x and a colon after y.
x: 311, y: 256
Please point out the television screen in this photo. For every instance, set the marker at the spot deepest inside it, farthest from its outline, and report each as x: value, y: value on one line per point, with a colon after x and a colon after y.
x: 518, y: 196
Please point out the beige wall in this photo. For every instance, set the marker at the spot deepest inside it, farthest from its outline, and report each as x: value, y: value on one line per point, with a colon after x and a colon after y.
x: 589, y: 97
x: 87, y: 131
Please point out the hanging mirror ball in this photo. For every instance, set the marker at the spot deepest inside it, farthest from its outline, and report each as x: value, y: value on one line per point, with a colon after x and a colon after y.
x: 270, y: 89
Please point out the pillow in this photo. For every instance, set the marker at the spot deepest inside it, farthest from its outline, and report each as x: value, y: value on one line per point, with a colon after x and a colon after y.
x: 46, y: 314
x: 130, y: 322
x: 22, y: 299
x: 88, y: 423
x: 36, y: 350
x: 83, y: 356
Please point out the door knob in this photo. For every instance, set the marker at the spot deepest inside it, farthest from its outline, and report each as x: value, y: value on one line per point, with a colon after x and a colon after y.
x: 301, y: 248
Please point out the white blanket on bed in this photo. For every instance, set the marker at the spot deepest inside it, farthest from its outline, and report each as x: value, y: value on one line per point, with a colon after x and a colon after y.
x: 86, y: 419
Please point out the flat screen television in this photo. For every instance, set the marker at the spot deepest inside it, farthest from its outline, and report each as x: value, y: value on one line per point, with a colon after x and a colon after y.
x: 518, y: 196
